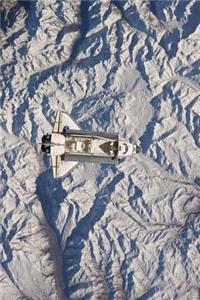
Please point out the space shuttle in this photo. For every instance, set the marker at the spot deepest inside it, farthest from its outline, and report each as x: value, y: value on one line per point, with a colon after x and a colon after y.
x: 68, y: 145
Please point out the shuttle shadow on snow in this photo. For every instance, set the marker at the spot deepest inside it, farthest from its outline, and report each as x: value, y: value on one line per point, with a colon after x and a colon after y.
x: 51, y: 194
x: 75, y: 242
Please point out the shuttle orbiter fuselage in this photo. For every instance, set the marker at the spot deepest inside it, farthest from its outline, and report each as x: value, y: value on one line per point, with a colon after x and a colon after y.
x: 69, y: 144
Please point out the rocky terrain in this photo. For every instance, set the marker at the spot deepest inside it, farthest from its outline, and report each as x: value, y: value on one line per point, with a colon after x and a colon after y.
x: 125, y: 231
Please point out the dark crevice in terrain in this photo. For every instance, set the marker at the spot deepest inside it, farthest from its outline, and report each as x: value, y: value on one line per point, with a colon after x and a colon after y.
x: 85, y: 104
x: 177, y: 108
x: 192, y: 71
x: 18, y: 119
x: 119, y: 42
x: 8, y: 19
x: 184, y: 239
x: 131, y: 15
x: 158, y: 7
x: 88, y: 21
x: 13, y: 37
x: 84, y: 28
x: 139, y: 60
x: 193, y: 122
x: 101, y: 116
x: 7, y: 79
x: 196, y: 124
x: 180, y: 9
x: 32, y: 21
x: 146, y: 138
x: 34, y: 130
x: 39, y: 77
x: 171, y: 39
x: 104, y: 55
x: 133, y: 44
x: 170, y: 42
x: 197, y: 181
x: 109, y: 77
x: 193, y: 20
x: 59, y: 12
x: 149, y: 293
x: 66, y: 29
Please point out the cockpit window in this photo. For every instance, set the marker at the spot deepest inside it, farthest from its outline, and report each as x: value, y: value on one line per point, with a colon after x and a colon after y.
x: 125, y: 149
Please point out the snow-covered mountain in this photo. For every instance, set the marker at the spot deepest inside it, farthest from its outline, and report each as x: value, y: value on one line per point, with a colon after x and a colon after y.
x: 126, y: 231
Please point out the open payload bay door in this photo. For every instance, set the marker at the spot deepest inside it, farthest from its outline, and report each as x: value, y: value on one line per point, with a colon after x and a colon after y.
x: 61, y: 167
x: 62, y: 120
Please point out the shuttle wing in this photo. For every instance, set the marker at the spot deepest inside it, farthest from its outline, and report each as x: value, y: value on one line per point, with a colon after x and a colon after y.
x: 60, y: 167
x: 62, y: 120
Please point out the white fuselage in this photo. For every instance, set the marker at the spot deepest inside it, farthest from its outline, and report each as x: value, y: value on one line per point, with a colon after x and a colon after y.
x: 79, y: 144
x: 69, y: 144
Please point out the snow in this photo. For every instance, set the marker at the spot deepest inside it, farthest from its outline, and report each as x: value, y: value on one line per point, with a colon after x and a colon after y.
x: 124, y: 231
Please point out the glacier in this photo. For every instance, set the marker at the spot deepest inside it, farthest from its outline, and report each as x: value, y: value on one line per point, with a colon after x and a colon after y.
x: 125, y: 231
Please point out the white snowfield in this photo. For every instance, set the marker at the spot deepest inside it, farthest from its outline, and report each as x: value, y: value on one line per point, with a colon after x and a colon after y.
x: 124, y: 231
